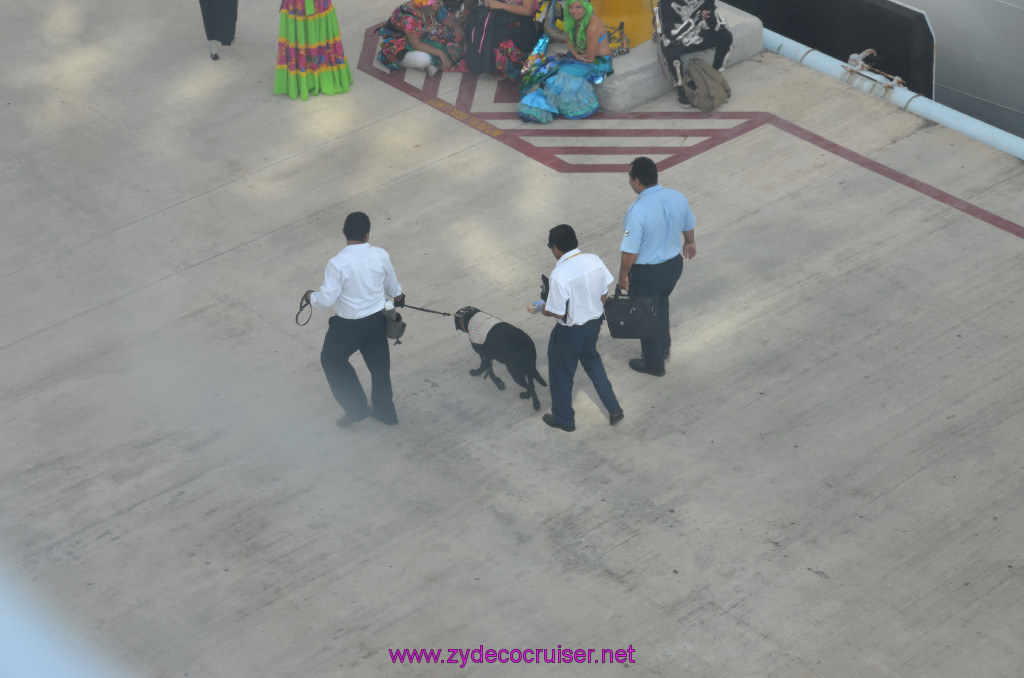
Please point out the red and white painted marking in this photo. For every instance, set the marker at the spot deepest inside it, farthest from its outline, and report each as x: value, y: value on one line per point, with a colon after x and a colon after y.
x: 606, y: 142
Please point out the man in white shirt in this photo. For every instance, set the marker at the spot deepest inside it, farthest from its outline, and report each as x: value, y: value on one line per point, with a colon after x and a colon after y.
x: 355, y: 284
x: 579, y: 286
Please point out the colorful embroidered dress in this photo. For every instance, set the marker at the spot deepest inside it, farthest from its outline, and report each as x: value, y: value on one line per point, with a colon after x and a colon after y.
x: 560, y: 84
x: 430, y: 29
x: 310, y: 58
x: 506, y: 37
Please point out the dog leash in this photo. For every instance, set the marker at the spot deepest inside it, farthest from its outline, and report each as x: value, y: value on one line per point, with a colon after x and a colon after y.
x: 303, y: 305
x: 426, y: 310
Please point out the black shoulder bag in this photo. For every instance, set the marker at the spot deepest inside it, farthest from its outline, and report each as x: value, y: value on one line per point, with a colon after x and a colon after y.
x: 630, y: 317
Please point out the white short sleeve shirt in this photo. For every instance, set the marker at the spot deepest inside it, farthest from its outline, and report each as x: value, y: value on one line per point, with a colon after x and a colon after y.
x: 577, y: 285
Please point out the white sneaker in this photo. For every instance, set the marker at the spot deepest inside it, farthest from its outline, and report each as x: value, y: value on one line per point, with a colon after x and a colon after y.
x: 431, y: 70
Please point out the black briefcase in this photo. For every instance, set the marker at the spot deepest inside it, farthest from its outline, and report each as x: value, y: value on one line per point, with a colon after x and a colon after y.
x: 630, y: 317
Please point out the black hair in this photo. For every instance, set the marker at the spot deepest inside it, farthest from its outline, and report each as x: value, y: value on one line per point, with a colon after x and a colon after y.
x: 357, y: 227
x: 645, y: 170
x: 563, y: 237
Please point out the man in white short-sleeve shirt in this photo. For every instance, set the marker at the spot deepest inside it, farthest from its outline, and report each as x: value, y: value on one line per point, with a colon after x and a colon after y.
x: 579, y: 286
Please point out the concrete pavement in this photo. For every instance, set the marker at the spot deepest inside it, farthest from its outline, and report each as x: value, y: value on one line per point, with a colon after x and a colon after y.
x: 828, y: 482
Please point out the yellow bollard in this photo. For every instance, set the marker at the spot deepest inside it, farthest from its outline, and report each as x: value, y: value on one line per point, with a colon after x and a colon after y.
x: 637, y: 15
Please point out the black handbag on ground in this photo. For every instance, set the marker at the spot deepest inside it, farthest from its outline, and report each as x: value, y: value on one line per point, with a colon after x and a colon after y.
x: 630, y: 317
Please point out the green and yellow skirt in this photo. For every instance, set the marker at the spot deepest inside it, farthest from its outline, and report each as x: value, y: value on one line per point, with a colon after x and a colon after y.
x: 310, y: 58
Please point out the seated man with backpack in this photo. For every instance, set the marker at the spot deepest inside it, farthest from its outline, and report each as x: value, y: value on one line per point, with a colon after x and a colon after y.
x: 691, y: 26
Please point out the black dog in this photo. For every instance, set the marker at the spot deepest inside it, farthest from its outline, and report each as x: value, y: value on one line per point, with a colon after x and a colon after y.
x: 497, y: 340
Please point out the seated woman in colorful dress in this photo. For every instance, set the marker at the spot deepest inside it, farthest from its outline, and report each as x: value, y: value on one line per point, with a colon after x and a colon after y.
x: 499, y: 36
x: 561, y: 84
x: 422, y: 34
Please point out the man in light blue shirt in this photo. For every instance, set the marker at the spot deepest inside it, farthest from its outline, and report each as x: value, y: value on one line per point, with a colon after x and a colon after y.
x: 652, y: 254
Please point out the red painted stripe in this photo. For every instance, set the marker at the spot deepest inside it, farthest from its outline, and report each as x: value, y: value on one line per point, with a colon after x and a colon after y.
x: 467, y: 91
x: 517, y: 137
x: 507, y: 92
x: 740, y: 117
x: 619, y: 132
x: 673, y: 115
x: 500, y: 115
x: 604, y: 168
x: 631, y: 151
x: 431, y: 86
x: 369, y: 50
x: 967, y: 208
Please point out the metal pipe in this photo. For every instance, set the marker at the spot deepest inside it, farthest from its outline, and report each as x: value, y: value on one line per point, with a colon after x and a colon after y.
x: 896, y: 94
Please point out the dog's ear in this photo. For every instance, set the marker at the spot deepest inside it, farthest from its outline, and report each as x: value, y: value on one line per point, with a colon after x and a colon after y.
x: 545, y: 287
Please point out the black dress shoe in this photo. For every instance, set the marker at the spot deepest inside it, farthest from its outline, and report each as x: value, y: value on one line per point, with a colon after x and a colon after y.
x: 390, y: 421
x: 638, y: 365
x: 348, y: 420
x: 615, y: 417
x: 550, y: 420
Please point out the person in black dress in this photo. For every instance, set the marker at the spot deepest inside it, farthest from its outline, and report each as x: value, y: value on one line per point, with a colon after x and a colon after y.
x: 219, y: 17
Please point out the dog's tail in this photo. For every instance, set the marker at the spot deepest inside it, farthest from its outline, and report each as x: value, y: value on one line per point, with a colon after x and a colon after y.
x: 539, y: 379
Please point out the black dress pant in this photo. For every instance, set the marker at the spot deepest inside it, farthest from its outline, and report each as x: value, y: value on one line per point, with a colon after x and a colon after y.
x: 567, y: 347
x: 720, y: 41
x: 656, y: 282
x: 368, y: 336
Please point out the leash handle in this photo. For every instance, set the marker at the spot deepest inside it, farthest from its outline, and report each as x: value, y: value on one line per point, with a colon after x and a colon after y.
x: 303, y: 305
